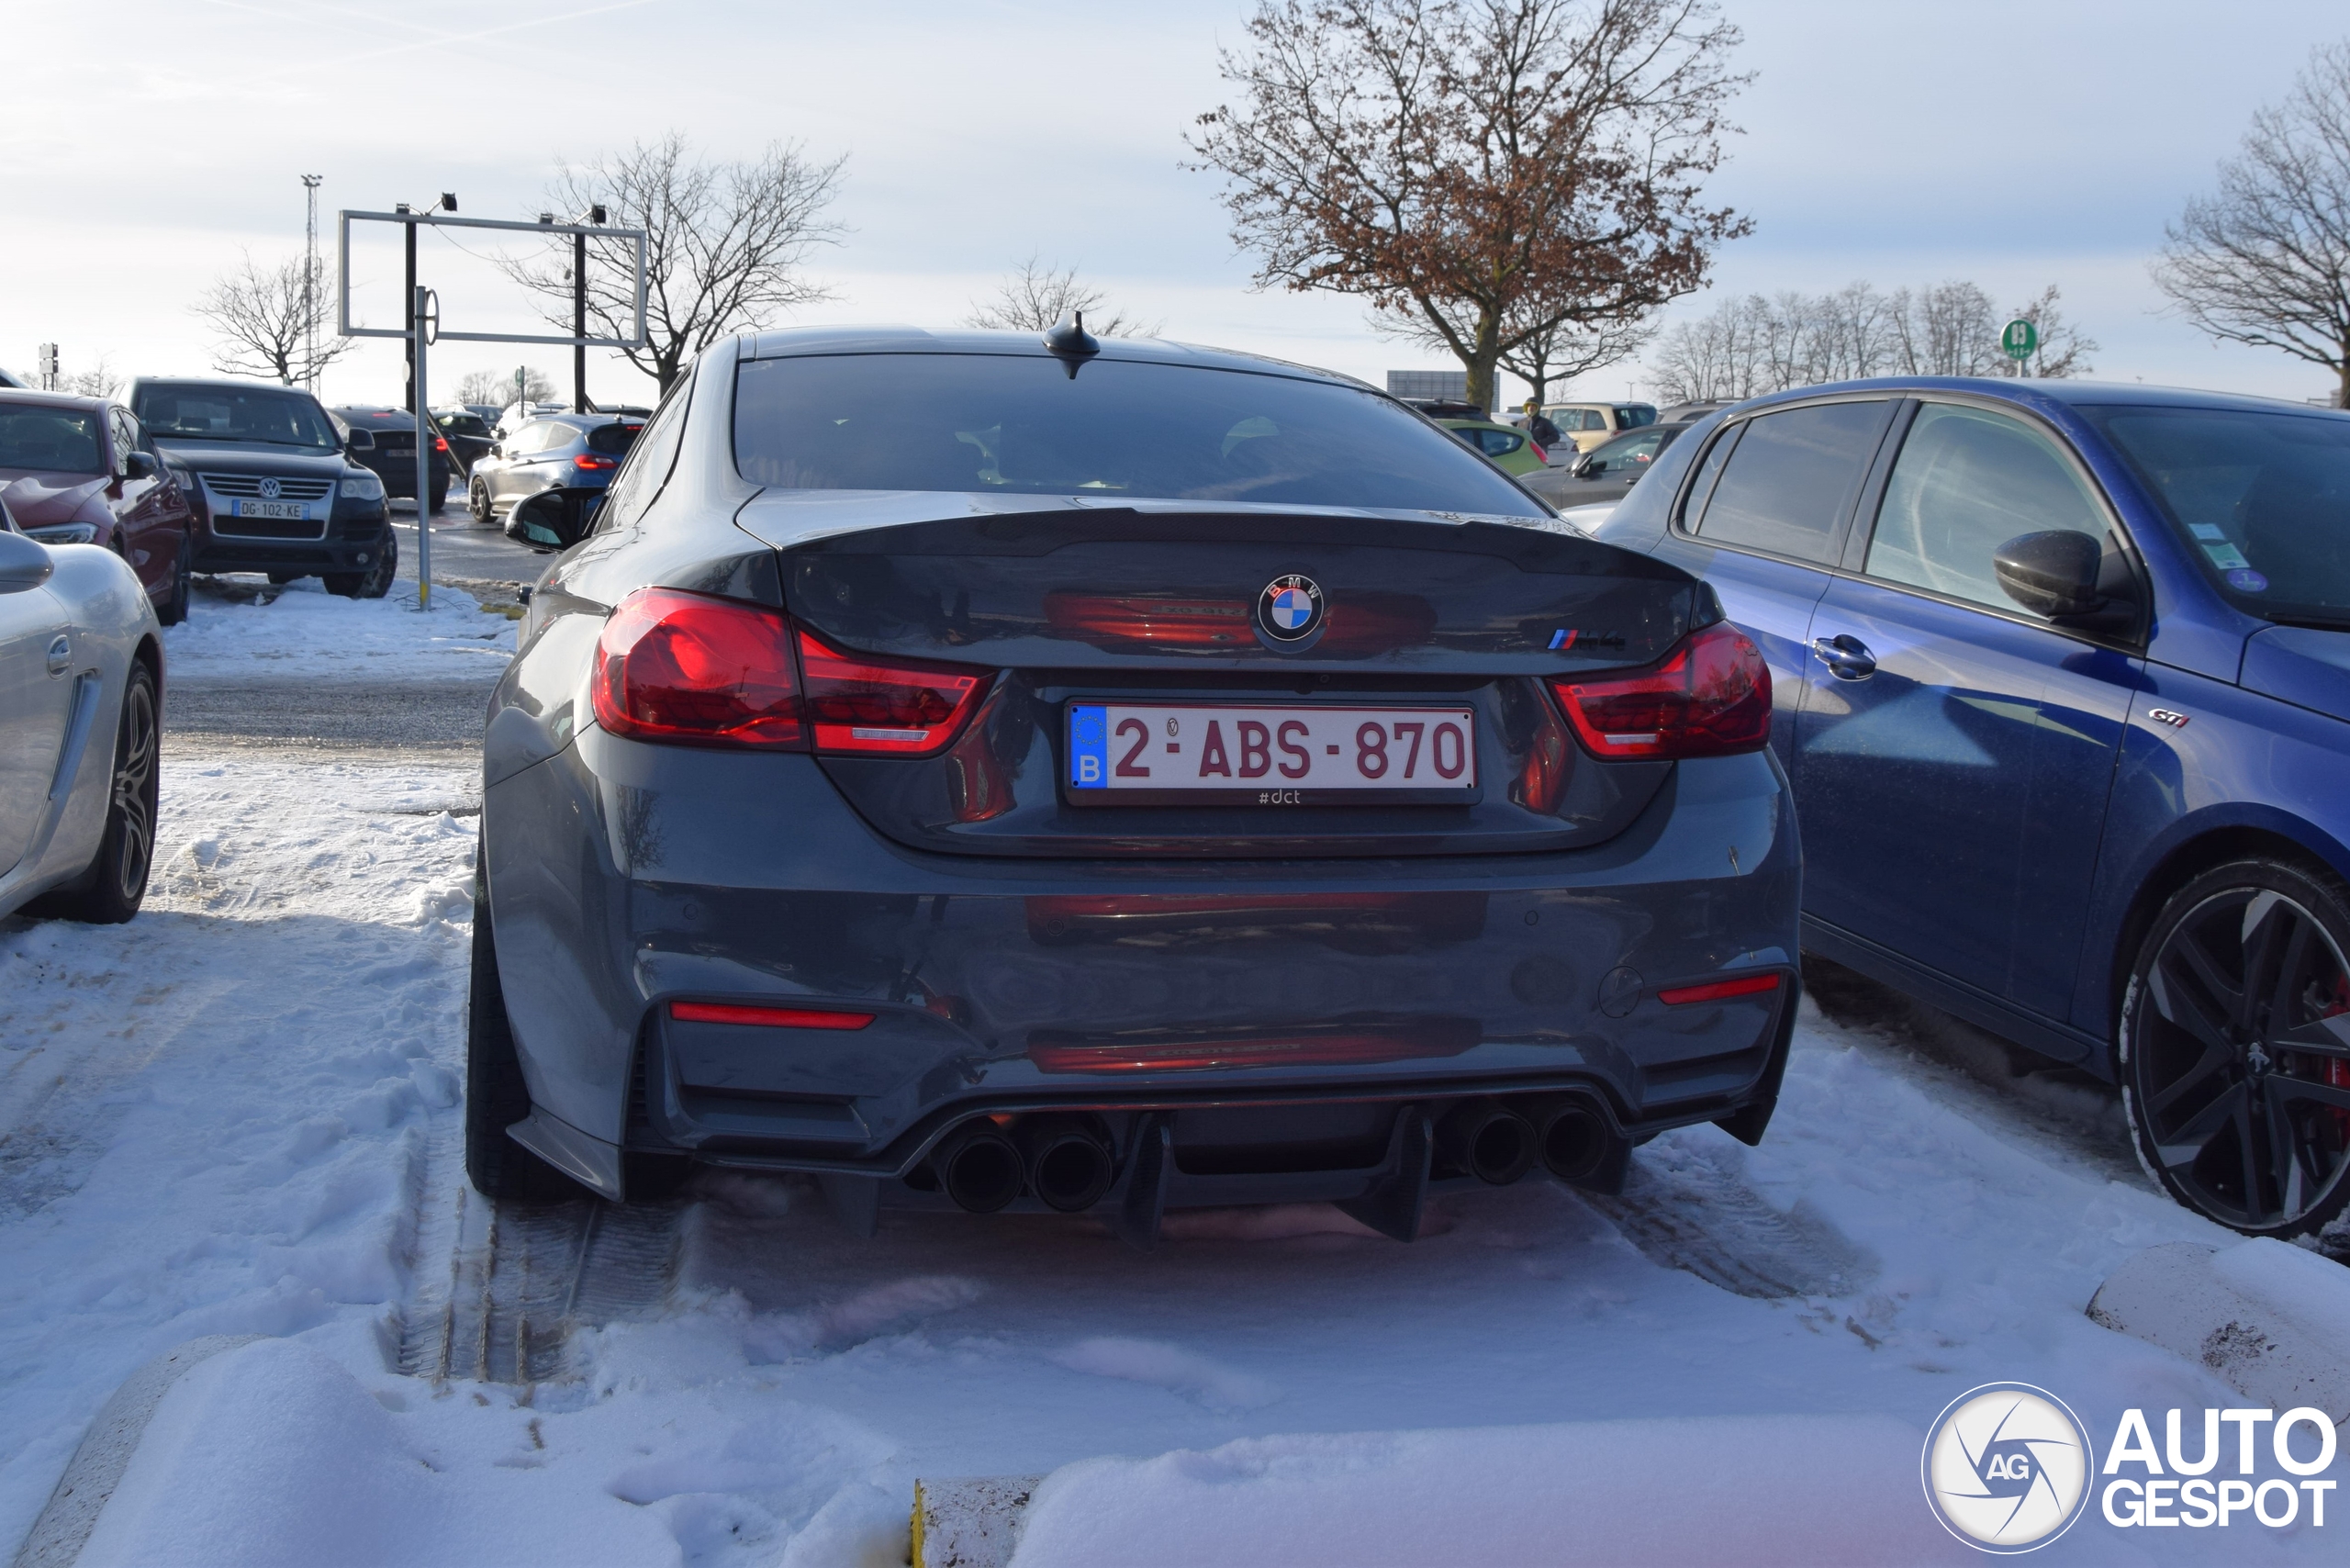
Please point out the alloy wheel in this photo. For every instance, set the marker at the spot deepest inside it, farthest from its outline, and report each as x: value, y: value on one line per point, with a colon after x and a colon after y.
x: 2239, y: 1061
x: 134, y: 791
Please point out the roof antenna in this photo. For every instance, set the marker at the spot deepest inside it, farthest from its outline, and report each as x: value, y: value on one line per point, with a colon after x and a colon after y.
x: 1071, y: 343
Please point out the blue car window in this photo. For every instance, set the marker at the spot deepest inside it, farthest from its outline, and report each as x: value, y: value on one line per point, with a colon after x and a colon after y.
x: 1791, y: 478
x: 2262, y: 499
x: 1967, y: 482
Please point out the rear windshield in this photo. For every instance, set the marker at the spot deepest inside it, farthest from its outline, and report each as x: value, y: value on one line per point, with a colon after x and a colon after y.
x: 1631, y: 416
x: 2262, y: 499
x: 1023, y: 425
x: 170, y: 410
x: 60, y: 440
x: 613, y: 439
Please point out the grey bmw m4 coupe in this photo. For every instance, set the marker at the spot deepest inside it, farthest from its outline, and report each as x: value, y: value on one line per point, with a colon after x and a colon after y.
x: 995, y: 773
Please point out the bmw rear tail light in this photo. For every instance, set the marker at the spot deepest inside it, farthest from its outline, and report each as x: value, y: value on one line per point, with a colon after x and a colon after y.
x: 687, y: 667
x: 1709, y: 697
x: 684, y: 668
x: 887, y: 708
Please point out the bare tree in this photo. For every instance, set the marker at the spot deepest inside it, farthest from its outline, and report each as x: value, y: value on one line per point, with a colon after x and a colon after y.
x: 1565, y: 348
x: 723, y: 245
x: 1753, y: 345
x: 2062, y: 351
x: 98, y: 381
x: 264, y: 316
x: 1037, y: 297
x: 498, y: 386
x: 1453, y: 160
x: 2267, y: 261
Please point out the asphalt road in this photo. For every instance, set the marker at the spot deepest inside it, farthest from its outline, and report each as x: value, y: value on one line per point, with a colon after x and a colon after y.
x: 463, y: 549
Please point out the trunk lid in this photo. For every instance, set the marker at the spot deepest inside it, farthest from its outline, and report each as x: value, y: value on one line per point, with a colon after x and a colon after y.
x: 1095, y: 605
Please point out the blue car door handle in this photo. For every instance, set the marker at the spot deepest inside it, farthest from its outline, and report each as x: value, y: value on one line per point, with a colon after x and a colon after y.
x: 1846, y: 656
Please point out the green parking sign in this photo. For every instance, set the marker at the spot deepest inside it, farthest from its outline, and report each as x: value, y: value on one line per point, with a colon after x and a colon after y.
x: 2020, y: 338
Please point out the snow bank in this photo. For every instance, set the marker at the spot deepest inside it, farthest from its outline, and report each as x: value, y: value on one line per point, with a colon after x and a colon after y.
x: 1757, y: 1491
x: 2311, y: 1292
x: 307, y: 633
x: 274, y: 1455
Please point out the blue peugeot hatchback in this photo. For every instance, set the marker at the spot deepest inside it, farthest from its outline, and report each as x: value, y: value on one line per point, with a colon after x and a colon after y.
x: 2061, y: 683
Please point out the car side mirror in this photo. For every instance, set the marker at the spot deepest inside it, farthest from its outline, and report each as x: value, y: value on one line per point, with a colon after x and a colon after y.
x: 360, y: 440
x: 24, y: 564
x: 554, y: 520
x: 140, y: 465
x: 2052, y: 574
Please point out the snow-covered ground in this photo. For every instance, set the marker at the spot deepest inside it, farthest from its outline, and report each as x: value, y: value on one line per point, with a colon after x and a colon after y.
x: 302, y: 632
x: 236, y: 1116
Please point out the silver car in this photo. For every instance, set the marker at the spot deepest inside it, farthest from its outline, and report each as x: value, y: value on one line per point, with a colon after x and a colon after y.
x: 81, y: 708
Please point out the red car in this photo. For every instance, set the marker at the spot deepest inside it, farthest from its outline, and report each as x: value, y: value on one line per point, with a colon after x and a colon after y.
x: 81, y: 471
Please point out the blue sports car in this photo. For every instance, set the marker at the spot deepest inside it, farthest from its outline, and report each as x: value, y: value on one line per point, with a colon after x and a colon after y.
x: 2062, y: 682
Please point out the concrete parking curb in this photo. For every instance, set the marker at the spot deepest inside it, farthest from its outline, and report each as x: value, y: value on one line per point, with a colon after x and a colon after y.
x: 2194, y: 1302
x: 72, y: 1512
x: 972, y: 1522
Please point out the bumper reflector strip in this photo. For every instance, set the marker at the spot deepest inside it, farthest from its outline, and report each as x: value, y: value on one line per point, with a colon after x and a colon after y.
x: 766, y: 1018
x: 1717, y: 990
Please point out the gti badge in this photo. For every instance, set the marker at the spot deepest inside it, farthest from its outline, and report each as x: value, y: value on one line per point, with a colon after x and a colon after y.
x: 1290, y: 610
x: 2171, y: 716
x: 268, y: 489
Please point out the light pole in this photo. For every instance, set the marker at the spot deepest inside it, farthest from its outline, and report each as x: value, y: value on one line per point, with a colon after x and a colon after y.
x: 448, y: 203
x: 310, y: 279
x: 580, y: 312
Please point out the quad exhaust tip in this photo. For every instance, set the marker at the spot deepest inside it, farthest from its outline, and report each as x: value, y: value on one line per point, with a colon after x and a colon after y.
x: 1488, y: 1140
x: 1070, y: 1166
x: 1574, y: 1140
x: 981, y: 1169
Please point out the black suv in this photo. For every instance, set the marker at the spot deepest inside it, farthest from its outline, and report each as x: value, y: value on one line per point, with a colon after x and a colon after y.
x: 392, y: 455
x: 273, y: 486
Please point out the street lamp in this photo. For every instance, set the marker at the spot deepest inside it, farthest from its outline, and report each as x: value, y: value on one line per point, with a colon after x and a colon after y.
x: 595, y: 215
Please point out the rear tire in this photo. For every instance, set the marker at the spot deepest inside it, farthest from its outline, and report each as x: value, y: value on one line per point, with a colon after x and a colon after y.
x: 115, y: 884
x: 173, y: 610
x: 376, y: 580
x: 496, y: 1095
x: 2236, y: 1083
x: 439, y: 496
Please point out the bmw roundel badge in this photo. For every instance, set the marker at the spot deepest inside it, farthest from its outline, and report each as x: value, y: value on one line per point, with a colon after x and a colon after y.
x: 1290, y: 610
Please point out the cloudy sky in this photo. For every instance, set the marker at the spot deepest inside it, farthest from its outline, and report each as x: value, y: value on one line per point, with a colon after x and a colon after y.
x: 148, y: 143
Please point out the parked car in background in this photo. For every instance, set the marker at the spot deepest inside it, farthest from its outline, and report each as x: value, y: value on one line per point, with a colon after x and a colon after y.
x: 81, y: 702
x: 390, y: 452
x: 1511, y: 450
x: 468, y: 437
x: 82, y: 471
x: 1589, y: 424
x: 1688, y: 413
x: 273, y: 486
x: 2061, y: 674
x: 562, y: 452
x: 486, y: 412
x: 514, y: 415
x: 1608, y: 472
x: 843, y: 804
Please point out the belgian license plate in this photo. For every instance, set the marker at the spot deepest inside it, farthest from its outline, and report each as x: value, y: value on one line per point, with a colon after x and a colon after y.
x: 1151, y: 752
x: 292, y: 511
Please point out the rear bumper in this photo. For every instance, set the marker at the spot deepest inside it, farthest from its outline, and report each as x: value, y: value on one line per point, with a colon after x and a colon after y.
x: 625, y: 876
